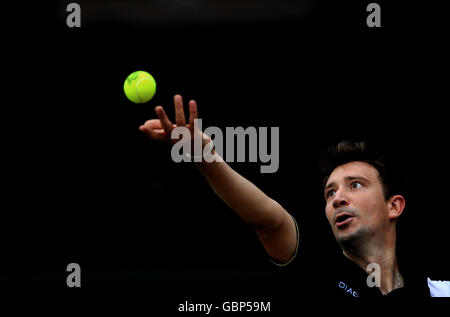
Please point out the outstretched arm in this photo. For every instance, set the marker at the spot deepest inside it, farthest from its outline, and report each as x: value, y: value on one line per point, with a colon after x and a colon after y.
x: 273, y: 224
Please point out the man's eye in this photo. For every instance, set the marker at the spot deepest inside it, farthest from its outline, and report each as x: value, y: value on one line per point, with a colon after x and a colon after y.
x: 330, y: 193
x: 356, y: 185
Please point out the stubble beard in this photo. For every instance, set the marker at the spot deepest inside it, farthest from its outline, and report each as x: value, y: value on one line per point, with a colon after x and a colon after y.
x: 355, y: 240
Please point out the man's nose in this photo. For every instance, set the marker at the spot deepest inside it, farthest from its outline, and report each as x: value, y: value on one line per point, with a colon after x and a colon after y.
x: 340, y: 200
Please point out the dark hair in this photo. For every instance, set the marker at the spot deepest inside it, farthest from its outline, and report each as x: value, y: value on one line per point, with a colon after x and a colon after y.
x: 349, y: 151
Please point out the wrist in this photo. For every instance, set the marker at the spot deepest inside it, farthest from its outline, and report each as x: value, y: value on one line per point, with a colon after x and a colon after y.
x: 208, y: 154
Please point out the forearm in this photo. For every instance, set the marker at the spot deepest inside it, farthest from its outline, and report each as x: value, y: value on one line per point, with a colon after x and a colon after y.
x: 273, y: 224
x: 275, y: 227
x: 247, y: 200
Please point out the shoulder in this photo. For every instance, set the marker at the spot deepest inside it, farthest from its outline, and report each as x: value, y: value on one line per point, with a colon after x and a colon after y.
x: 439, y: 288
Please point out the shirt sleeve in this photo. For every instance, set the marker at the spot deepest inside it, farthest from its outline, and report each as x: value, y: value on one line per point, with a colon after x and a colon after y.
x: 439, y: 288
x: 296, y: 248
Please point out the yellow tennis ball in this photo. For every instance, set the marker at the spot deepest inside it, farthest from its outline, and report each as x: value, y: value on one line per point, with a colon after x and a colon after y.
x: 139, y: 87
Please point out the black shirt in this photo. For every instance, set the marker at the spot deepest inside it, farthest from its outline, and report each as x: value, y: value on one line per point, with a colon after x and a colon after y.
x: 334, y: 276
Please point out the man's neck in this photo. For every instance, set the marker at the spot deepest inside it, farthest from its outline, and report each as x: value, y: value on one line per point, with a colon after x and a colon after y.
x: 384, y: 256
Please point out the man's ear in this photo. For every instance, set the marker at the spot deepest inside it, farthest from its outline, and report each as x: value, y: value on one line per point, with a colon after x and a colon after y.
x: 396, y: 206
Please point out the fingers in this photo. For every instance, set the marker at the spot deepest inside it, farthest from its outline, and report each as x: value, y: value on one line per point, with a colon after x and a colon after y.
x: 151, y: 124
x: 161, y: 129
x: 153, y: 128
x: 165, y: 122
x: 192, y: 113
x: 159, y: 135
x: 180, y: 120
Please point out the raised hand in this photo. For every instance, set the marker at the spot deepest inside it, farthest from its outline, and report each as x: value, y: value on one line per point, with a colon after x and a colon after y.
x: 161, y: 129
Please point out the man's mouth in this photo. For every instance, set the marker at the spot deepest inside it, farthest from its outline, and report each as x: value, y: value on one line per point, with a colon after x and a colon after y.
x: 343, y: 220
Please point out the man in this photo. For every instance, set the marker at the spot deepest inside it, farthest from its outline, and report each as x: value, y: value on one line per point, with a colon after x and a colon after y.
x: 363, y: 205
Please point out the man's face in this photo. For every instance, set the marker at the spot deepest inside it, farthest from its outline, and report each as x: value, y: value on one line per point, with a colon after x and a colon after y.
x: 355, y: 204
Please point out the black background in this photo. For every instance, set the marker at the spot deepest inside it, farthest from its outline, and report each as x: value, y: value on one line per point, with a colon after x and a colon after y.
x: 83, y: 185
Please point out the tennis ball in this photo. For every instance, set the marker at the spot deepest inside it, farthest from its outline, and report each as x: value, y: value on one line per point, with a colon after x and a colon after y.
x: 139, y: 87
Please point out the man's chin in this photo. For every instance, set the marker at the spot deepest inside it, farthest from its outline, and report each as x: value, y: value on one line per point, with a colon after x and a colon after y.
x: 350, y: 236
x: 344, y: 239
